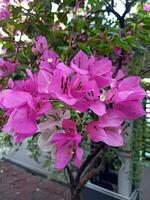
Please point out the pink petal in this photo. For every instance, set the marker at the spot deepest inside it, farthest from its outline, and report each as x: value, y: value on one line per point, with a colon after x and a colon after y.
x: 113, y: 138
x: 81, y: 105
x: 44, y: 107
x: 78, y: 70
x: 80, y: 63
x: 24, y: 121
x: 131, y: 109
x: 100, y: 67
x: 112, y: 118
x: 102, y: 81
x: 79, y: 155
x: 64, y: 68
x: 63, y: 156
x: 11, y: 99
x: 69, y: 126
x: 98, y: 108
x: 44, y: 81
x: 129, y: 83
x: 95, y: 133
x: 8, y: 127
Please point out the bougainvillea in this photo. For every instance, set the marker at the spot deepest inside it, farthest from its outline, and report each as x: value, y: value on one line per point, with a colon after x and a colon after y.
x: 146, y: 7
x: 86, y: 86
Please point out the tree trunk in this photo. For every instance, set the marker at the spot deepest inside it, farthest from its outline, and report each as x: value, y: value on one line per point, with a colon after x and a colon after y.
x: 74, y: 194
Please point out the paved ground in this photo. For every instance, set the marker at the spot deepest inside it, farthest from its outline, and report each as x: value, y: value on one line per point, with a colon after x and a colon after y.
x: 18, y: 184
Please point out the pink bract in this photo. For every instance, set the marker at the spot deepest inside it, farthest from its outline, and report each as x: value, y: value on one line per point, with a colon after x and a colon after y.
x: 6, y: 68
x: 126, y: 95
x: 67, y: 145
x: 40, y: 45
x: 99, y: 70
x: 107, y: 129
x: 54, y: 119
x: 24, y: 105
x: 146, y: 7
x: 49, y: 60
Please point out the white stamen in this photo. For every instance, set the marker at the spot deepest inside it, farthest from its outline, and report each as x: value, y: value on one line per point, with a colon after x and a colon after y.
x: 50, y: 60
x: 102, y: 97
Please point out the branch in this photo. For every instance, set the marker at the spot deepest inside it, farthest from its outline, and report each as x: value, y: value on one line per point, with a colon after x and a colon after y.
x: 89, y: 159
x: 112, y: 3
x: 96, y: 171
x: 119, y: 63
x: 128, y: 7
x: 90, y: 174
x: 144, y: 70
x: 111, y: 9
x: 71, y: 178
x: 94, y: 162
x: 121, y: 19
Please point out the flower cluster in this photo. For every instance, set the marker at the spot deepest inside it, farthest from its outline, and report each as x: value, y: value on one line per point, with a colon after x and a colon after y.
x: 146, y: 7
x: 85, y: 85
x: 4, y: 12
x: 7, y: 67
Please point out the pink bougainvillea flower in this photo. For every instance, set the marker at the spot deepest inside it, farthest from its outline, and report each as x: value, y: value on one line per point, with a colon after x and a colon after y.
x: 47, y: 63
x: 107, y: 129
x: 78, y: 92
x: 129, y: 33
x: 131, y: 109
x: 90, y: 99
x: 59, y: 87
x: 79, y: 85
x: 4, y: 12
x: 49, y: 60
x: 126, y: 95
x: 54, y: 118
x: 80, y: 63
x: 146, y: 7
x: 44, y: 81
x: 117, y: 50
x: 99, y: 70
x: 24, y: 105
x: 6, y: 68
x: 21, y: 123
x: 47, y: 77
x: 40, y: 45
x: 67, y: 145
x: 129, y: 89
